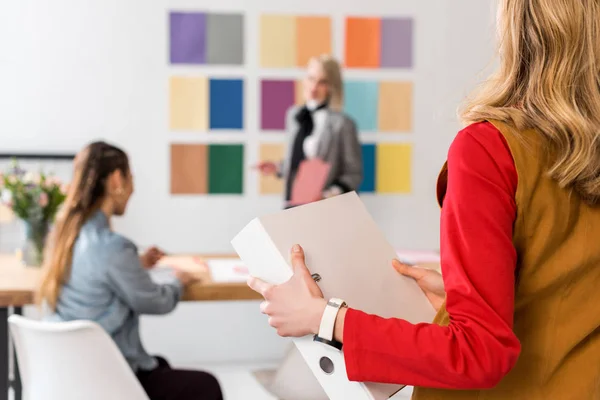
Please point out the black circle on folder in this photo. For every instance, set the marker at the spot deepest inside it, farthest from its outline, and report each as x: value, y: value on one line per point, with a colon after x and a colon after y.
x: 326, y: 365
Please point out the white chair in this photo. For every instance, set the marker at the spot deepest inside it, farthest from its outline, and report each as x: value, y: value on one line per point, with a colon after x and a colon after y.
x: 71, y: 361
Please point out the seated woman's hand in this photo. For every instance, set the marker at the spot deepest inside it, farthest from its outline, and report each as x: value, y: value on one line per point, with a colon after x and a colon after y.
x: 186, y: 278
x: 151, y: 257
x: 295, y: 307
x: 430, y: 282
x: 267, y: 168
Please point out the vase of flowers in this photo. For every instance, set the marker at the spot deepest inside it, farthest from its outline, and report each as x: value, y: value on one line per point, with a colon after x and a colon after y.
x: 34, y: 199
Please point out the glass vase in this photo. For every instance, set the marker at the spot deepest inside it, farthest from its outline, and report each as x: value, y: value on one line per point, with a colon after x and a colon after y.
x: 36, y: 233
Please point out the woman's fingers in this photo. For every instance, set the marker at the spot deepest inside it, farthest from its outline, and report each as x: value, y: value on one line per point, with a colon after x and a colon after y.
x: 260, y: 286
x: 298, y: 259
x: 412, y: 272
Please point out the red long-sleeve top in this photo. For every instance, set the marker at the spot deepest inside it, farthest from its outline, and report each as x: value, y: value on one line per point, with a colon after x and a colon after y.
x: 478, y: 348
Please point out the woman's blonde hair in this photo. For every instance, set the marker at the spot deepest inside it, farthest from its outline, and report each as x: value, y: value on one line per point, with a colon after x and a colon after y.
x: 333, y: 74
x: 549, y: 79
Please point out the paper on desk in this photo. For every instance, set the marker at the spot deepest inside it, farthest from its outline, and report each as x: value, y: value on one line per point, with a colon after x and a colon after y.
x: 227, y: 270
x: 163, y: 275
x: 345, y: 247
x: 309, y: 181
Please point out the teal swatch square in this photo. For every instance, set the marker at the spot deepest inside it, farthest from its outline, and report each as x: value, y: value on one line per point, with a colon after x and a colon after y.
x: 361, y: 100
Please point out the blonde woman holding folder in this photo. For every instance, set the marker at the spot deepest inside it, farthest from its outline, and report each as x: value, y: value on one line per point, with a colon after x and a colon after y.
x: 320, y: 130
x: 520, y: 194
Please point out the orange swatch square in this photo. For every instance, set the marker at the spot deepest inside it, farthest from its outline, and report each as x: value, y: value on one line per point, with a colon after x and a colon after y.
x: 299, y: 92
x: 395, y: 106
x: 313, y: 35
x: 363, y: 42
x: 189, y: 167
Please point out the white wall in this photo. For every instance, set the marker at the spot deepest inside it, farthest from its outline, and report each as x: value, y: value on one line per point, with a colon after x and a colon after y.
x: 76, y: 70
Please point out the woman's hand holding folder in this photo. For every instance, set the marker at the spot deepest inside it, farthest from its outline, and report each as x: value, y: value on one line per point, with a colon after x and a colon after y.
x: 295, y: 308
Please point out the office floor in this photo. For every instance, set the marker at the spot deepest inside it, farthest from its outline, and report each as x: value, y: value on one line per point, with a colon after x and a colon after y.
x: 239, y: 383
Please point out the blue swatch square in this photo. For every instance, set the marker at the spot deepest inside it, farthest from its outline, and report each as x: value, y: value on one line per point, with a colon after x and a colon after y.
x: 361, y: 102
x: 226, y: 104
x: 368, y: 156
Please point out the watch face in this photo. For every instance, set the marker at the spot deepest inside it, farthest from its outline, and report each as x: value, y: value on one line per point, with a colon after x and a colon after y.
x: 337, y: 303
x: 333, y: 303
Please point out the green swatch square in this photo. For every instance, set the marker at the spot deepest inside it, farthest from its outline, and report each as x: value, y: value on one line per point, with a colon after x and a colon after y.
x: 225, y: 169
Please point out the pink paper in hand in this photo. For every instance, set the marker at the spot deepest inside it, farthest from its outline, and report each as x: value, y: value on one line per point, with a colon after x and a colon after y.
x: 309, y: 182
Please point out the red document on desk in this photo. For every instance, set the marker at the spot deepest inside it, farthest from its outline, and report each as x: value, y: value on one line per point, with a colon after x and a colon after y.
x: 309, y: 182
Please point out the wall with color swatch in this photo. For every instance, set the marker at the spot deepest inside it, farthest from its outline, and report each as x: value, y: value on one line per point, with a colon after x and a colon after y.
x: 196, y: 92
x: 287, y: 41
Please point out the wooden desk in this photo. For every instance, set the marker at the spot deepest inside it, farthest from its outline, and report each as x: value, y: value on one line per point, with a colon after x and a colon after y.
x: 18, y: 284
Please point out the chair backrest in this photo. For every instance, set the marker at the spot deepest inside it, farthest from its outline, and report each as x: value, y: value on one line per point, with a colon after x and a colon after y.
x: 71, y: 361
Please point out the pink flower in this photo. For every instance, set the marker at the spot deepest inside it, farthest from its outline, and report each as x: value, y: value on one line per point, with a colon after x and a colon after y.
x: 64, y: 188
x: 52, y: 181
x: 43, y: 200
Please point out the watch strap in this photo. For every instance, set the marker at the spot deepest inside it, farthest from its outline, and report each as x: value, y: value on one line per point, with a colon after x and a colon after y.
x: 328, y: 319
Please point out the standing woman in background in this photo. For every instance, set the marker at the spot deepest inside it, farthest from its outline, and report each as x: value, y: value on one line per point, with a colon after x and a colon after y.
x: 319, y: 129
x: 519, y: 317
x: 93, y: 273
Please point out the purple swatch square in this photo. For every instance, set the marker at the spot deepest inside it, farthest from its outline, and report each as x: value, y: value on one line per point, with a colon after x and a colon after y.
x: 188, y: 38
x: 396, y: 42
x: 277, y: 96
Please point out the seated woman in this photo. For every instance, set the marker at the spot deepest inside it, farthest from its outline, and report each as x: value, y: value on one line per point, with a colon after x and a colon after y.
x: 95, y: 274
x: 320, y: 130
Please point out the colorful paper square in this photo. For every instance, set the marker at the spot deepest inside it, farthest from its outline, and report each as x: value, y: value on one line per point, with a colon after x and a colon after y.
x: 368, y: 158
x: 361, y: 102
x: 225, y: 39
x: 187, y: 37
x: 188, y: 103
x: 226, y: 104
x: 226, y: 169
x: 396, y: 43
x: 278, y: 41
x: 188, y: 169
x: 363, y: 42
x: 273, y: 152
x: 277, y: 96
x: 299, y: 89
x: 395, y: 106
x: 393, y: 172
x: 313, y: 35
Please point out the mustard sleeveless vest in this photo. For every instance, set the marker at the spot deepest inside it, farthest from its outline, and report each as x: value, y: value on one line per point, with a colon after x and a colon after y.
x: 557, y: 289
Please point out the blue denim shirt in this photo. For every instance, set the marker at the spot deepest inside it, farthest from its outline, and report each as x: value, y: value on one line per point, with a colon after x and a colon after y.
x: 109, y: 285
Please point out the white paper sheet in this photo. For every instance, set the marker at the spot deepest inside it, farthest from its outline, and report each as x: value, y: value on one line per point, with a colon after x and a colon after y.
x: 162, y: 275
x: 227, y: 270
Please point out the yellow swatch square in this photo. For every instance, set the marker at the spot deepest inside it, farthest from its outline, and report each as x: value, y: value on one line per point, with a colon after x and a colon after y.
x: 393, y: 173
x: 395, y: 106
x: 188, y: 103
x: 273, y: 152
x: 277, y: 41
